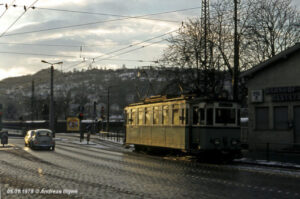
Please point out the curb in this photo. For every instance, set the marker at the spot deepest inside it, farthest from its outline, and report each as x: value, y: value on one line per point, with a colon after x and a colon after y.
x: 271, y: 164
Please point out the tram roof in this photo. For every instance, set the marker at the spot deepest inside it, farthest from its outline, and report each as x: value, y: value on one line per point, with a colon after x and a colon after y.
x: 168, y: 98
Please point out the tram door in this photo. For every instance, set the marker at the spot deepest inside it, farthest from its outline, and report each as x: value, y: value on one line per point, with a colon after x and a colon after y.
x: 297, y: 123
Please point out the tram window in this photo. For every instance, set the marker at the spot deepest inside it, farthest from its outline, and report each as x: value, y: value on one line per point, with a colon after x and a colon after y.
x: 141, y: 116
x: 186, y: 116
x: 156, y: 115
x: 225, y: 116
x: 133, y: 117
x: 165, y: 115
x: 195, y: 115
x: 176, y: 118
x: 182, y: 116
x: 148, y: 116
x: 210, y: 116
x: 128, y: 119
x: 202, y: 116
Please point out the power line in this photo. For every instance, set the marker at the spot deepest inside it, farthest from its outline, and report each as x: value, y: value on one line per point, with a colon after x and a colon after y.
x: 97, y: 22
x: 136, y: 44
x: 131, y: 60
x: 121, y: 49
x: 38, y: 54
x: 54, y: 45
x: 6, y: 8
x: 132, y: 50
x: 97, y: 13
x: 109, y: 58
x: 25, y: 10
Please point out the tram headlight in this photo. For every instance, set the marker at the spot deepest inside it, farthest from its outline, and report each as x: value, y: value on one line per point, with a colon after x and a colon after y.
x: 217, y: 141
x: 234, y: 142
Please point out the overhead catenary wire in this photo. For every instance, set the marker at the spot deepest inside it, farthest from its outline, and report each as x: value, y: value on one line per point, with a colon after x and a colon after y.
x: 11, y: 25
x: 53, y: 45
x: 121, y: 49
x: 114, y: 51
x: 8, y: 6
x: 129, y: 51
x: 131, y: 60
x: 137, y: 44
x: 101, y: 14
x: 160, y: 41
x: 96, y: 22
x: 37, y: 54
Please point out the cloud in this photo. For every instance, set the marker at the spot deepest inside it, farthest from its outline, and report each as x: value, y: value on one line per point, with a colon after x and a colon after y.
x: 98, y: 39
x: 15, y: 71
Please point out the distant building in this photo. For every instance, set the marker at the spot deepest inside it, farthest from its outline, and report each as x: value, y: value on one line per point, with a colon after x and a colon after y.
x: 274, y: 100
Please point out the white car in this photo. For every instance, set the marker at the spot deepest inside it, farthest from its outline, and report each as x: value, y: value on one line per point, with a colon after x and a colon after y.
x: 40, y: 138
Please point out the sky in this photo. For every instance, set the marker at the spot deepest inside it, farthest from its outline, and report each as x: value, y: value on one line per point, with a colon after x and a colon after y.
x: 112, y: 39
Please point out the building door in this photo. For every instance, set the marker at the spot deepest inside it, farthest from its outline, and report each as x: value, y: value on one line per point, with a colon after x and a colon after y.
x: 297, y: 123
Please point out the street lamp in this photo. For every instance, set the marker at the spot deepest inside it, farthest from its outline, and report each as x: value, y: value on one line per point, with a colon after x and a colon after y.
x: 51, y: 111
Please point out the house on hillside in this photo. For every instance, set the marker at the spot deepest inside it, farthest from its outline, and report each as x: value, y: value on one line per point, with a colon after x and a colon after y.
x: 274, y: 101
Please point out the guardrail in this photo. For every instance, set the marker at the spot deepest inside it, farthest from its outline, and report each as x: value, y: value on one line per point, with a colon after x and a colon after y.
x: 117, y: 136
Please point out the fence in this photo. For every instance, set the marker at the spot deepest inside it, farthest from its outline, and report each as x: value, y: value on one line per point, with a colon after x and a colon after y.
x: 60, y: 125
x: 117, y: 136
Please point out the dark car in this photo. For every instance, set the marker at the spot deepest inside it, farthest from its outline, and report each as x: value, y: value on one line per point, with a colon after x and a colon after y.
x: 40, y: 138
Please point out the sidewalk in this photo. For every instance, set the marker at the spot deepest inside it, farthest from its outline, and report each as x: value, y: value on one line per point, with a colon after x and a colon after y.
x: 271, y: 159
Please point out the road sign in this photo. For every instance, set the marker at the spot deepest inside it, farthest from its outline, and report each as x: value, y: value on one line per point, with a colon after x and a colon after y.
x: 73, y: 124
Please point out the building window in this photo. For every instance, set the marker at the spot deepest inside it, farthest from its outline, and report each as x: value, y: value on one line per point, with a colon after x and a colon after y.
x: 281, y: 118
x: 262, y: 118
x: 202, y: 116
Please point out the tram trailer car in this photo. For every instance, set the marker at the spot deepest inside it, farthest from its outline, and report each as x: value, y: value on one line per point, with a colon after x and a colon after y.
x: 185, y: 123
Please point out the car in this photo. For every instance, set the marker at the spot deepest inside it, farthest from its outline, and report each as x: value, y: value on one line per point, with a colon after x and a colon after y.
x: 40, y: 138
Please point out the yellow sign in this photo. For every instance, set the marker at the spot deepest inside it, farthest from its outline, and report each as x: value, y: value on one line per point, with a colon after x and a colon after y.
x: 73, y: 124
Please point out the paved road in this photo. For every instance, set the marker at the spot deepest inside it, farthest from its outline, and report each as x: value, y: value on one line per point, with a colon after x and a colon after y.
x: 106, y: 170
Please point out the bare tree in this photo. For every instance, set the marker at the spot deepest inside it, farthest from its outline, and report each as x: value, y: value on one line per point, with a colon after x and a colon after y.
x: 265, y: 27
x: 272, y: 27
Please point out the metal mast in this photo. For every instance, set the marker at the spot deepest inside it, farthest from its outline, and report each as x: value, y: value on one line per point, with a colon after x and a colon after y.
x: 236, y: 54
x: 205, y: 30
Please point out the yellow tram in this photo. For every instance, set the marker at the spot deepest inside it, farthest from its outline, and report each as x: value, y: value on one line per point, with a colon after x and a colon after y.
x: 187, y: 123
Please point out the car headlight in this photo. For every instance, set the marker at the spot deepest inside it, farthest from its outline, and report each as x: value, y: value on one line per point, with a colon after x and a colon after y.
x: 217, y: 141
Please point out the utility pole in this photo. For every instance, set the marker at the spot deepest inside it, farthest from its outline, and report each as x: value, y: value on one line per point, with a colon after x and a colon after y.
x: 107, y: 112
x: 205, y: 30
x: 51, y: 111
x: 236, y: 55
x: 32, y: 101
x: 94, y: 117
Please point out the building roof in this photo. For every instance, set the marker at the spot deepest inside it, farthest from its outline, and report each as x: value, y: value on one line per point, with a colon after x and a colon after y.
x: 281, y: 56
